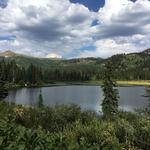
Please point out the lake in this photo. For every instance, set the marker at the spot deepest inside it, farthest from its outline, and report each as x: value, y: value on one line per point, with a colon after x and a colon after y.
x: 87, y: 97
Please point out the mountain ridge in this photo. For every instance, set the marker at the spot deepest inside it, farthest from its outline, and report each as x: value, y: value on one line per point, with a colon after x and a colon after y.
x: 129, y: 60
x: 10, y: 53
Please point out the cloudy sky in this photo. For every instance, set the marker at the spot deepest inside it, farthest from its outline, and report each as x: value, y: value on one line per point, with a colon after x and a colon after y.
x: 74, y: 28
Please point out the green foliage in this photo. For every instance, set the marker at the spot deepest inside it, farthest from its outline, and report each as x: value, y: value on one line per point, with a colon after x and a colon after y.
x: 124, y: 132
x: 142, y: 134
x: 134, y: 66
x: 97, y: 133
x: 3, y: 90
x: 68, y: 128
x: 52, y: 119
x: 110, y: 102
x: 40, y: 101
x: 33, y: 75
x: 34, y: 71
x: 16, y: 137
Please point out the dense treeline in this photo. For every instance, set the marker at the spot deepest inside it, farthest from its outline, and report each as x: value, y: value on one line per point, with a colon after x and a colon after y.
x: 11, y: 72
x: 131, y: 67
x: 65, y: 75
x: 32, y: 74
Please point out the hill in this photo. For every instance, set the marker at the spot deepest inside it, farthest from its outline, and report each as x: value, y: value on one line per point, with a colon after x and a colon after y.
x: 47, y: 63
x: 8, y: 53
x: 136, y: 64
x: 141, y: 59
x: 24, y: 60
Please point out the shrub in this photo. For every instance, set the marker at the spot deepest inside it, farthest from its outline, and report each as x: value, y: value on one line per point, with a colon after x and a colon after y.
x: 69, y: 128
x: 142, y: 133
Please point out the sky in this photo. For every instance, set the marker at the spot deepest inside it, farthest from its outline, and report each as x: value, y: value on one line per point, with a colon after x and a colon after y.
x: 74, y: 28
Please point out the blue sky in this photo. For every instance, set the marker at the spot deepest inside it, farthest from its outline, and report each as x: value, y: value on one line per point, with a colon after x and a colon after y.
x: 3, y: 3
x: 74, y: 28
x: 8, y: 38
x: 93, y: 5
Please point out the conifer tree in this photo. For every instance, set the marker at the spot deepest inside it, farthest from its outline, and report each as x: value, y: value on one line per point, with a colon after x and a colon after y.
x: 40, y: 102
x: 110, y: 101
x: 3, y: 90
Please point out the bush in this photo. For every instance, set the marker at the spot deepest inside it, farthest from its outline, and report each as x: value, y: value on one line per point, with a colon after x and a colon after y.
x: 124, y: 132
x: 69, y: 128
x: 16, y: 137
x: 142, y: 134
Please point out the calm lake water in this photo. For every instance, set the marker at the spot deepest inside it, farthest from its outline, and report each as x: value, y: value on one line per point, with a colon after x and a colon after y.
x: 87, y: 97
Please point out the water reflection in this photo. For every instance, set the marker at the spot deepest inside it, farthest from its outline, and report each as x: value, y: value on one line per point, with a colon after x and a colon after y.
x: 87, y: 97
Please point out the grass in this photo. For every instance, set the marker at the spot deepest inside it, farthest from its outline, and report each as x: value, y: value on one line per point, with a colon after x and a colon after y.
x: 99, y: 82
x: 120, y: 83
x: 135, y: 83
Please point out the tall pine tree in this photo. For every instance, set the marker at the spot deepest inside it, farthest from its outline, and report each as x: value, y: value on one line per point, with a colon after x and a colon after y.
x: 110, y: 101
x: 3, y: 90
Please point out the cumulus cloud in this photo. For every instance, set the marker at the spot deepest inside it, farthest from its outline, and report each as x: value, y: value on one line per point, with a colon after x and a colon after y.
x: 55, y: 26
x: 120, y: 45
x: 61, y: 27
x: 52, y: 55
x: 123, y: 27
x: 123, y: 18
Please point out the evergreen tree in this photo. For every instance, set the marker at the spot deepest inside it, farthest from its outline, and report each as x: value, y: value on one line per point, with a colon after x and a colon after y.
x: 3, y: 90
x: 40, y: 102
x: 110, y: 101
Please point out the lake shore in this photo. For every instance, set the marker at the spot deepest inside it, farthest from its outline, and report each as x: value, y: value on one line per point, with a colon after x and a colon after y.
x: 84, y: 83
x: 119, y: 83
x: 135, y: 83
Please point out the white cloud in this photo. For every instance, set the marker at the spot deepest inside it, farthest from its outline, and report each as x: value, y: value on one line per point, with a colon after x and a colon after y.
x: 52, y: 55
x: 59, y: 27
x: 111, y: 9
x: 48, y: 26
x: 124, y: 27
x: 108, y: 47
x: 118, y: 45
x: 123, y: 18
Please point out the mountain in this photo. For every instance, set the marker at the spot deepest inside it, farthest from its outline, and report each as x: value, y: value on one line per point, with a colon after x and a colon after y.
x: 46, y: 63
x: 132, y: 60
x: 146, y: 51
x: 8, y: 53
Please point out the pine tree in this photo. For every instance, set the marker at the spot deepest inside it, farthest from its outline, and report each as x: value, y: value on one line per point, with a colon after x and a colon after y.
x: 110, y: 101
x: 40, y: 102
x: 3, y: 90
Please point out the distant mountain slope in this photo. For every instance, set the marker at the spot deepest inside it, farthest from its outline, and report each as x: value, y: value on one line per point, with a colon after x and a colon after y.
x: 8, y: 54
x: 133, y: 60
x: 46, y: 63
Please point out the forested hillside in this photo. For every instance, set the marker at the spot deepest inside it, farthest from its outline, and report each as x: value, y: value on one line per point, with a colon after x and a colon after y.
x: 133, y: 66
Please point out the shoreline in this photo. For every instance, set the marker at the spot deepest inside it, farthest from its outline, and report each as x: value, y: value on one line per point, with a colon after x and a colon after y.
x: 119, y: 83
x: 135, y: 83
x: 82, y: 83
